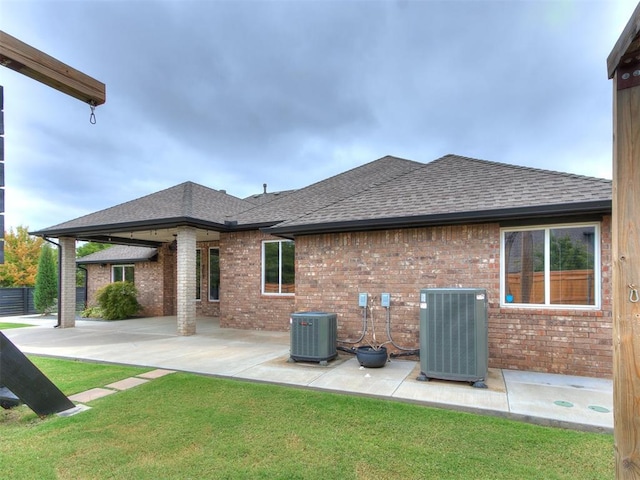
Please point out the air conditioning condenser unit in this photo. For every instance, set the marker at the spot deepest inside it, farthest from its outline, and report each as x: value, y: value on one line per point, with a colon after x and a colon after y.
x: 314, y: 337
x: 453, y: 335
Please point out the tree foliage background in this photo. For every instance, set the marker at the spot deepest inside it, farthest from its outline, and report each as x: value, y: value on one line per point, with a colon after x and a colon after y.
x: 90, y: 247
x: 21, y: 255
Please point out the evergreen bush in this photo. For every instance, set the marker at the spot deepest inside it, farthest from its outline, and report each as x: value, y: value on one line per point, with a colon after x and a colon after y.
x: 46, y: 291
x: 118, y: 300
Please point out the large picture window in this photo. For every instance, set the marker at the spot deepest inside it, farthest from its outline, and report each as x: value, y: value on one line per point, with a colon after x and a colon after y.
x: 278, y: 270
x: 214, y: 274
x: 122, y: 273
x: 551, y: 265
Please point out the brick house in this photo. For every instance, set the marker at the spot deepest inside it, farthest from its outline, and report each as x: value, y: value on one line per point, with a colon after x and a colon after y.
x: 538, y: 241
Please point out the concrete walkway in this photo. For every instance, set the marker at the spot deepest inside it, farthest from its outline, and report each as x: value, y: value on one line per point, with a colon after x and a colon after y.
x: 558, y: 400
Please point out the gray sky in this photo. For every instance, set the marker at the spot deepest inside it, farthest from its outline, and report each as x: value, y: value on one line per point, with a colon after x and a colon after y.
x: 234, y: 94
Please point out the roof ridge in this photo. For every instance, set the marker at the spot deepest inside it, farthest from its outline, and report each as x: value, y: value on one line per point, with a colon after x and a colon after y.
x: 187, y: 199
x: 418, y: 165
x: 522, y: 167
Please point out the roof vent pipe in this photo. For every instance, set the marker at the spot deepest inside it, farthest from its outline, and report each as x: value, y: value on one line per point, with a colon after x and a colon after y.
x: 264, y: 186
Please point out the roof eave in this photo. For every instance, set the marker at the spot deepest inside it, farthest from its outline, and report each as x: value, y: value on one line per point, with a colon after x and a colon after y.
x: 132, y: 226
x: 79, y: 261
x: 521, y: 213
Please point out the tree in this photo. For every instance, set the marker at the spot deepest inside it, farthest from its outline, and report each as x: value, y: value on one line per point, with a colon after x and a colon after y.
x: 21, y: 254
x: 90, y: 247
x: 46, y: 292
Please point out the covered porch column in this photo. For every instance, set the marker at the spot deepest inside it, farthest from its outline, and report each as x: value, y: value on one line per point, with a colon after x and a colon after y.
x: 67, y: 282
x: 186, y: 280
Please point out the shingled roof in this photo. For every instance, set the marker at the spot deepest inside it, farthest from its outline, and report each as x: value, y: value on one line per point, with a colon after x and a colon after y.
x: 455, y: 189
x: 186, y: 203
x: 119, y: 254
x: 386, y: 193
x: 328, y: 192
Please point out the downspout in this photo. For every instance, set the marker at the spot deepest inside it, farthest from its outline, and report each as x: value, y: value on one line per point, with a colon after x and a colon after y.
x: 59, y: 313
x: 86, y: 285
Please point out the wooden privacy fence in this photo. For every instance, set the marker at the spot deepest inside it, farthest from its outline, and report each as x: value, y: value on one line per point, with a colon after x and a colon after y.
x: 568, y: 287
x: 19, y: 301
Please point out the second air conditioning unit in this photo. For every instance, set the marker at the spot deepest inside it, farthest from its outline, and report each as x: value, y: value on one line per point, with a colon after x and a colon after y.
x: 453, y: 334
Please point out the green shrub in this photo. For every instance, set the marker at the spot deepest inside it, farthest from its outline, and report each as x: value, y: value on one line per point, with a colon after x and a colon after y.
x: 118, y: 300
x: 91, y: 312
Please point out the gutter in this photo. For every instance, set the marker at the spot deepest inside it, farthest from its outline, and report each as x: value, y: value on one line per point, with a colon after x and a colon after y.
x: 130, y: 226
x: 599, y: 207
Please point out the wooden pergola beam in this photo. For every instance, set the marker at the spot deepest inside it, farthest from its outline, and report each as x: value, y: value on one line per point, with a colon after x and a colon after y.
x: 33, y: 63
x: 623, y: 65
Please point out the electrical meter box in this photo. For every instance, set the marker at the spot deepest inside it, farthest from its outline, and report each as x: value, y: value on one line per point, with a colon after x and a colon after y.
x: 363, y: 299
x: 385, y: 300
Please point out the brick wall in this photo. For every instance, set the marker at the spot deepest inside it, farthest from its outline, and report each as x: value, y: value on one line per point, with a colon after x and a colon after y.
x: 241, y: 303
x: 149, y: 279
x: 156, y: 283
x: 332, y: 269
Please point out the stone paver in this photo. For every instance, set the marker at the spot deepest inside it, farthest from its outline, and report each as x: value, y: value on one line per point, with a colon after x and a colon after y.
x: 127, y: 383
x: 92, y: 394
x: 157, y: 373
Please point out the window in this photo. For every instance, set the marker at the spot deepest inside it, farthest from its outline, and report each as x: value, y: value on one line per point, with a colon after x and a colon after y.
x: 278, y: 270
x: 214, y: 274
x: 122, y: 273
x: 198, y: 272
x: 551, y: 266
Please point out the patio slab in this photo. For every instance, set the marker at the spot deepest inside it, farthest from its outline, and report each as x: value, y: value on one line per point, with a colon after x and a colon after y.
x: 261, y: 356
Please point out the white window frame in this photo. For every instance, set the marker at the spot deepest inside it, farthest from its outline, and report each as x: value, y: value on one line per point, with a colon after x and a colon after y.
x: 122, y: 266
x: 597, y: 267
x: 209, y: 271
x: 262, y: 270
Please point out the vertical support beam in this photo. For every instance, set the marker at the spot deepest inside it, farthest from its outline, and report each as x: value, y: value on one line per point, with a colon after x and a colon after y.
x: 626, y: 278
x: 67, y: 285
x: 186, y: 281
x: 623, y: 65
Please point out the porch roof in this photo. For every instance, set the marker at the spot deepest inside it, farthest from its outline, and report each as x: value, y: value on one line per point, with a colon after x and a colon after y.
x: 119, y: 254
x: 153, y: 219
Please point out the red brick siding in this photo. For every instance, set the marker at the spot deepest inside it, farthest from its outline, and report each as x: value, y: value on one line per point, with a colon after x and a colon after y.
x: 148, y: 278
x: 332, y: 269
x: 242, y: 304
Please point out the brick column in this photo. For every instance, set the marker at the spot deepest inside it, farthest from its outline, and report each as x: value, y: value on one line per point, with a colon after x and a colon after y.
x: 186, y: 281
x: 67, y: 282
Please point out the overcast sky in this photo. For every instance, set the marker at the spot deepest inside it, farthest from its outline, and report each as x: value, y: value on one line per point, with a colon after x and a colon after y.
x: 234, y: 94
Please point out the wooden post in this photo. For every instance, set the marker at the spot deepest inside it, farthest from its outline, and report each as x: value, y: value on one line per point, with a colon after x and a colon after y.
x: 35, y: 64
x: 623, y: 66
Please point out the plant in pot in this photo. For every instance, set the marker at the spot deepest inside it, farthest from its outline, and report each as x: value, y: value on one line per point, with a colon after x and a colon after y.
x: 374, y: 354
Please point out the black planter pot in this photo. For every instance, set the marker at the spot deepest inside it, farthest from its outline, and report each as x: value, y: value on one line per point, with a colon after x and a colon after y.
x: 371, y: 358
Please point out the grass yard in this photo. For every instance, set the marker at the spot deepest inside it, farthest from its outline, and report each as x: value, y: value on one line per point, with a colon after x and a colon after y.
x: 187, y: 426
x: 7, y: 325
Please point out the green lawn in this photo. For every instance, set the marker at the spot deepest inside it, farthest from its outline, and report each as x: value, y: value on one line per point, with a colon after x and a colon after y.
x: 188, y: 426
x: 6, y: 325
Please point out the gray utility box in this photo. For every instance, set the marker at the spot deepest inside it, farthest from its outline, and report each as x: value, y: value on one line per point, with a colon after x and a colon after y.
x: 314, y: 336
x: 454, y: 343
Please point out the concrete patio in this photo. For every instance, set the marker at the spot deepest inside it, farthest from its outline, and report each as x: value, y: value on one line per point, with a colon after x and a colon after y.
x: 557, y: 400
